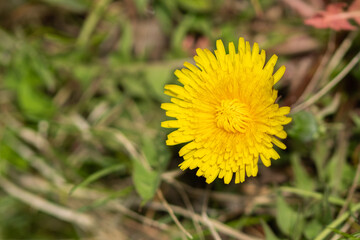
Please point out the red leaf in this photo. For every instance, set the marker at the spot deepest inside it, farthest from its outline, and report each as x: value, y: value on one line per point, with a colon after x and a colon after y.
x: 334, y: 17
x: 355, y: 7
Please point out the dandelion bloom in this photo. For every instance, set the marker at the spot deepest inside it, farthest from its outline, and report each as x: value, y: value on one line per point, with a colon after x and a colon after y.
x: 226, y: 112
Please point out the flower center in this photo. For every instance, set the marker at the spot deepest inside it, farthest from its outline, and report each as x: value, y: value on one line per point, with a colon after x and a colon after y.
x: 232, y: 116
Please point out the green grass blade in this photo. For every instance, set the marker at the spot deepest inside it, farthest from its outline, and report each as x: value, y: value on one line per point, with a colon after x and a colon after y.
x: 99, y: 174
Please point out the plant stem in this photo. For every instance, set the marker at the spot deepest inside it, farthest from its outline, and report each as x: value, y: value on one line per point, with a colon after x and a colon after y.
x: 315, y: 195
x: 337, y: 222
x: 91, y: 22
x: 329, y: 86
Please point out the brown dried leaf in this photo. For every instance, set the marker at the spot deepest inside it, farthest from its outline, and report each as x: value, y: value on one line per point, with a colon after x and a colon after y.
x: 303, y: 8
x: 296, y: 44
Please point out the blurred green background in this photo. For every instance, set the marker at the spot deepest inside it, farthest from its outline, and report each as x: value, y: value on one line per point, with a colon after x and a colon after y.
x: 82, y: 154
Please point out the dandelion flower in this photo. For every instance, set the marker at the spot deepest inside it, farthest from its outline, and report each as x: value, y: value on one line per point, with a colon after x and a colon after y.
x: 226, y: 112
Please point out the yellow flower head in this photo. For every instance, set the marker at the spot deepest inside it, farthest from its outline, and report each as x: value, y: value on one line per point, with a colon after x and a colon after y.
x: 226, y: 112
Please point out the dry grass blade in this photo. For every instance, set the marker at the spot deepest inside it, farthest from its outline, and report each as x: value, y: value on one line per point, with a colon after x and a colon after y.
x: 319, y: 71
x: 346, y: 226
x: 82, y: 220
x: 28, y: 153
x: 205, y: 216
x: 338, y: 55
x: 136, y: 216
x: 329, y: 86
x: 171, y: 212
x: 81, y: 89
x: 188, y: 204
x: 128, y: 145
x: 329, y: 228
x: 218, y: 225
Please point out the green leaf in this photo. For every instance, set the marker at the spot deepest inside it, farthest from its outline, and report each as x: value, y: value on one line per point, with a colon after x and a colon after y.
x: 270, y: 235
x: 123, y: 53
x: 75, y: 6
x: 126, y: 43
x: 312, y: 229
x: 156, y: 77
x: 34, y: 104
x: 347, y: 236
x: 164, y: 155
x: 10, y: 155
x: 197, y: 5
x: 84, y: 74
x: 347, y: 176
x: 304, y: 126
x: 41, y: 67
x: 134, y: 86
x: 110, y: 196
x: 336, y: 179
x: 28, y: 76
x: 150, y: 151
x: 99, y: 174
x: 141, y: 5
x: 146, y: 181
x: 157, y: 155
x: 302, y: 178
x: 320, y: 156
x: 181, y: 30
x: 356, y: 119
x: 156, y: 152
x: 164, y: 16
x: 190, y: 24
x: 289, y: 221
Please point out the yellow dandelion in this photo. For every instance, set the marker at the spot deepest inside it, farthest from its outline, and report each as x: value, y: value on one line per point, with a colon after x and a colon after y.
x: 226, y: 112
